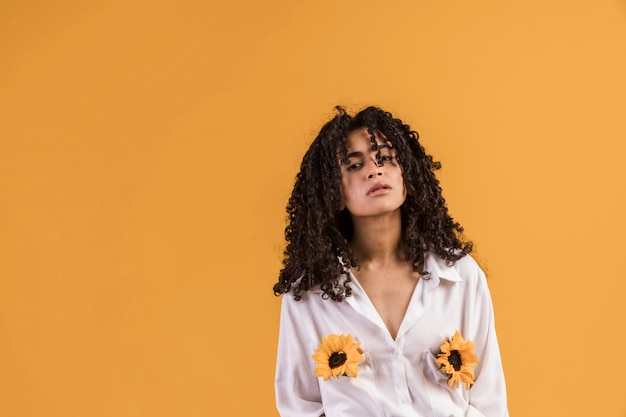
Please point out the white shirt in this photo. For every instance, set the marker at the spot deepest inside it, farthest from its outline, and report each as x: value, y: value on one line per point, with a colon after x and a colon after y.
x: 396, y: 377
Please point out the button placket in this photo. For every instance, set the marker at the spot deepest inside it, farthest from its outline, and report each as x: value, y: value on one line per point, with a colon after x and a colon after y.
x: 400, y: 377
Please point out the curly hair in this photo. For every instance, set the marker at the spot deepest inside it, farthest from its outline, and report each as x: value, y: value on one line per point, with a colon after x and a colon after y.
x: 319, y: 231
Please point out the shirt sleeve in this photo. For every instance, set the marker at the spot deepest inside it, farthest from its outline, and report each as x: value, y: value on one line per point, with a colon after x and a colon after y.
x: 297, y: 388
x: 487, y: 397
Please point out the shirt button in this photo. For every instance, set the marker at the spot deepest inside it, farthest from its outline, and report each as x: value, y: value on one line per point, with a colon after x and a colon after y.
x: 404, y: 400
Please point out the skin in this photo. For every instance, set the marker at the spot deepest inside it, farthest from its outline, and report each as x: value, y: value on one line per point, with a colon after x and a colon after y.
x: 384, y: 273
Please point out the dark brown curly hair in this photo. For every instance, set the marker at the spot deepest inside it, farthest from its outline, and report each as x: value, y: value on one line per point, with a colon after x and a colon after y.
x: 319, y: 232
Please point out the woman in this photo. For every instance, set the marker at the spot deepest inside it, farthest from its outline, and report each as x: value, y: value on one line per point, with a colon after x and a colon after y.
x: 384, y: 313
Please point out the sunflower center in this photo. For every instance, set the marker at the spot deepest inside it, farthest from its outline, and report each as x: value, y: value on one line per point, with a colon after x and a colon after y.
x: 337, y: 359
x: 455, y: 360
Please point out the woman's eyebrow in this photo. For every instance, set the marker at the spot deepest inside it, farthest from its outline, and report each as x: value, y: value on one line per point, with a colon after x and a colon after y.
x: 360, y: 154
x: 354, y: 154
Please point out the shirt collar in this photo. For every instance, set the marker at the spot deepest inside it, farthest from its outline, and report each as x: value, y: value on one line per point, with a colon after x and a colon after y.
x: 433, y: 264
x: 438, y: 270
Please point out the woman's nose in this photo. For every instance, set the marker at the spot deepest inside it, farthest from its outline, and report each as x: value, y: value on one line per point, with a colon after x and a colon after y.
x: 375, y: 170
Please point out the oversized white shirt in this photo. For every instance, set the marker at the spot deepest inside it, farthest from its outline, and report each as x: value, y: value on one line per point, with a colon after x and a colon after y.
x: 396, y: 377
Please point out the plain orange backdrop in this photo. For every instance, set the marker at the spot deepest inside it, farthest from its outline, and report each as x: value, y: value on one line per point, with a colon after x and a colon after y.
x: 148, y: 148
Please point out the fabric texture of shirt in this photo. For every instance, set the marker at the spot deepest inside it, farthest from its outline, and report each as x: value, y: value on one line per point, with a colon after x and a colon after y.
x: 396, y: 377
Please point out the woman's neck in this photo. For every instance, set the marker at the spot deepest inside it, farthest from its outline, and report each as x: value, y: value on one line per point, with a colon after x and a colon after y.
x: 378, y: 240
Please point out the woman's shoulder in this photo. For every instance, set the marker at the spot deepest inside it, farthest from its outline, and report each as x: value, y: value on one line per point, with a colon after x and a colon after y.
x: 467, y: 264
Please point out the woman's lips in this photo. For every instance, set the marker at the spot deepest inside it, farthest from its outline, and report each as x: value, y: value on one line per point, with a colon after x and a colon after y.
x: 378, y: 189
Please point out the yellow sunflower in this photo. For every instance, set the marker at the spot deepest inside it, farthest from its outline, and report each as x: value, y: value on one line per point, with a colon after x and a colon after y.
x: 337, y: 355
x: 457, y: 359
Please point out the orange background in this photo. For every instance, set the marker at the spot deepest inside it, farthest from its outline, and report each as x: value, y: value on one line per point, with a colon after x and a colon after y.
x: 148, y: 149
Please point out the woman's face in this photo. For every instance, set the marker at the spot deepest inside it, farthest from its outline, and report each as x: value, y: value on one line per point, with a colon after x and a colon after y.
x: 371, y: 186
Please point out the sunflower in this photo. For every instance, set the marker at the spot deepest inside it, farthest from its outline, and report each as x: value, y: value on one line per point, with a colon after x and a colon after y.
x: 457, y: 359
x: 337, y: 355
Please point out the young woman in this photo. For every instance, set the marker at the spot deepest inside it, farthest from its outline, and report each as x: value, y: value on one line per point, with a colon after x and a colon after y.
x: 384, y: 313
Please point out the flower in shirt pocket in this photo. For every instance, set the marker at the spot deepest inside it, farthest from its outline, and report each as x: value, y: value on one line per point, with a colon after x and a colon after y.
x: 457, y: 360
x: 338, y: 355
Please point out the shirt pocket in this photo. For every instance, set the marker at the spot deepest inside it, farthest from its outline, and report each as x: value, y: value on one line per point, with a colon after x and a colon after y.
x: 347, y: 396
x: 445, y: 401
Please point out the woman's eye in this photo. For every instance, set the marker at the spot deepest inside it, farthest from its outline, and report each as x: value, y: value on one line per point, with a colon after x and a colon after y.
x: 384, y: 158
x: 352, y: 167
